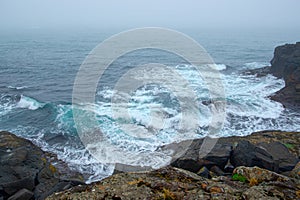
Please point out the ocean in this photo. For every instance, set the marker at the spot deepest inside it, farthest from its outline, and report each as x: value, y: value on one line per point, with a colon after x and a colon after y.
x: 38, y: 70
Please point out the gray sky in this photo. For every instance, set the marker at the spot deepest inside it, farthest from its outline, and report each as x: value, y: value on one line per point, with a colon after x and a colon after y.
x: 136, y: 13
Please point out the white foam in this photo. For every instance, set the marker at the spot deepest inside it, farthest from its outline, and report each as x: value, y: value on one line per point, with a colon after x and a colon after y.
x: 17, y: 87
x: 29, y: 103
x: 256, y: 65
x: 220, y: 67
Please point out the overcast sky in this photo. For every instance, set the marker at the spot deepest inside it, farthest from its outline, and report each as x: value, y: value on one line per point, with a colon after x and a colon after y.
x: 138, y: 13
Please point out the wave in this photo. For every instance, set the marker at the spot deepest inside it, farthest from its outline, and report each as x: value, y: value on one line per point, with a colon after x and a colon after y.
x: 17, y: 87
x: 29, y: 103
x: 220, y: 67
x: 255, y: 65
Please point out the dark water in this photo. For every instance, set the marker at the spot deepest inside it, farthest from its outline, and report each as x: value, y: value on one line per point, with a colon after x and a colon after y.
x: 38, y: 69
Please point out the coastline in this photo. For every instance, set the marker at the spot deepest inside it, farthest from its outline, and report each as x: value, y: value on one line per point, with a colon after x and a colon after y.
x: 206, y: 178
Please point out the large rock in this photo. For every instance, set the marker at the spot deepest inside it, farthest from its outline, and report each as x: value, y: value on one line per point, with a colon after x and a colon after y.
x: 193, y: 161
x: 286, y: 65
x: 25, y: 170
x: 273, y: 156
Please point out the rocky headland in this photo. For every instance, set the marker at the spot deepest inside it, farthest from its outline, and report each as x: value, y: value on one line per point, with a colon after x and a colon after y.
x: 285, y: 64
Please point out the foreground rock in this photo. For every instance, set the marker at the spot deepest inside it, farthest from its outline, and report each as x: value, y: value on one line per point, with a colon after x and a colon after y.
x: 25, y: 172
x: 272, y: 150
x: 172, y: 183
x: 286, y: 65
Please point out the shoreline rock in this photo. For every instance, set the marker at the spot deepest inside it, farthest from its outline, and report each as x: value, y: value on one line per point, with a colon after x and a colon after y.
x: 26, y: 172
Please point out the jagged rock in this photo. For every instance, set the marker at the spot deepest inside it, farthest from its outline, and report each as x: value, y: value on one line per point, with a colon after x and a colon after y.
x: 286, y: 65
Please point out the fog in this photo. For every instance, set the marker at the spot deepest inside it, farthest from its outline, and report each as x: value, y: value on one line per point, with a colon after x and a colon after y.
x: 35, y: 14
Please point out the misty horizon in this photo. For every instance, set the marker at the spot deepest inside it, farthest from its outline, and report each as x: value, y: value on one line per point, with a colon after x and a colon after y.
x: 91, y: 14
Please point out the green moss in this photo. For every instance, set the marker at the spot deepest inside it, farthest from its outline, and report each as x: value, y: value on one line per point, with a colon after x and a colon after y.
x: 289, y: 146
x: 238, y: 177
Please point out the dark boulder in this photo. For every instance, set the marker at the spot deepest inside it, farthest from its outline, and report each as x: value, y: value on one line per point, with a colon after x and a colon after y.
x: 192, y: 160
x: 272, y: 156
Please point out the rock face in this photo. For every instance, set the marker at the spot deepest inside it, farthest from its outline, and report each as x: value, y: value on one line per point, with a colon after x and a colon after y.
x: 286, y: 65
x: 25, y: 172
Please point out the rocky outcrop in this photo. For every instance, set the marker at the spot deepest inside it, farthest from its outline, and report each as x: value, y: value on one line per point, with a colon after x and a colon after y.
x: 25, y: 170
x: 286, y: 65
x: 172, y: 183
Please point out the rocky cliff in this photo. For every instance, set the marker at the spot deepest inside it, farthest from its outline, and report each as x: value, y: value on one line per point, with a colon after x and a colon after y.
x: 286, y: 65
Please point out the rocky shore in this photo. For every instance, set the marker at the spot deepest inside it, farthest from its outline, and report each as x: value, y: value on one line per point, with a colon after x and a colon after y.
x: 263, y: 165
